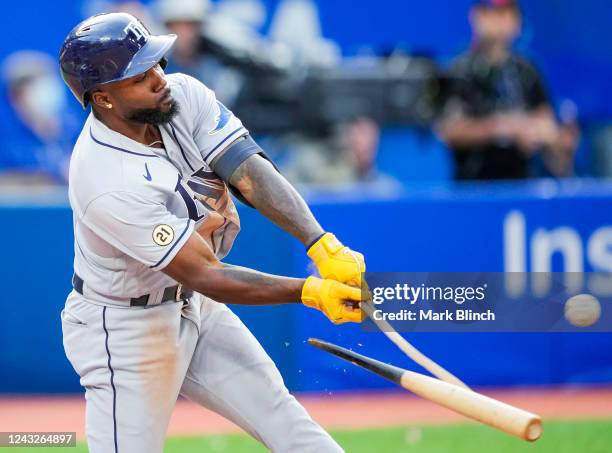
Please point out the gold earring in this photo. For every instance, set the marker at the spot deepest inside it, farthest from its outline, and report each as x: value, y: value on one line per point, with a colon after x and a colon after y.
x: 109, y: 106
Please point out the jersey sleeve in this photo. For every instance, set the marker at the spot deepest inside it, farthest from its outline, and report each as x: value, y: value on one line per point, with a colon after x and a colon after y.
x: 144, y: 230
x: 215, y: 126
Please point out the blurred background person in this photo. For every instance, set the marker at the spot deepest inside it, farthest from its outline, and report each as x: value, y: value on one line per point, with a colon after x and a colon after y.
x: 39, y: 129
x: 345, y: 156
x: 296, y: 25
x: 342, y: 153
x: 498, y: 120
x: 185, y: 18
x: 207, y: 38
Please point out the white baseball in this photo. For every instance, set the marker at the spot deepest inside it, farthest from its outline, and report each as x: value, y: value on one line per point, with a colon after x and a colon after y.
x: 582, y: 310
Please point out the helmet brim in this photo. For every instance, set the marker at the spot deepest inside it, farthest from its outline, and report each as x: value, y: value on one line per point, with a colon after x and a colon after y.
x: 151, y: 54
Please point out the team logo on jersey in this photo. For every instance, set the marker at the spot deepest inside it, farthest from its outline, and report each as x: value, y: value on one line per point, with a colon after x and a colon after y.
x: 163, y: 234
x: 221, y: 119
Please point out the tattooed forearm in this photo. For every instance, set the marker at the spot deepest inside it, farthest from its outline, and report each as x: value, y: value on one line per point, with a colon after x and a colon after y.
x: 196, y: 267
x: 240, y: 285
x: 275, y: 197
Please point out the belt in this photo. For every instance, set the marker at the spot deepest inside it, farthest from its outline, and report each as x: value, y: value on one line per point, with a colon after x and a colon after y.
x: 172, y: 293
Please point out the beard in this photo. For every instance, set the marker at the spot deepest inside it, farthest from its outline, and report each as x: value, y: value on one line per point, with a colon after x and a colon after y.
x: 156, y: 117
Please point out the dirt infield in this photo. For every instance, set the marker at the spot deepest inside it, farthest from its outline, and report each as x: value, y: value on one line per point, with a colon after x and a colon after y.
x: 339, y: 411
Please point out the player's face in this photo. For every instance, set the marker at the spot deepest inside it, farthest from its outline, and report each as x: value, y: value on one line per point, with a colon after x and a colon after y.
x: 145, y: 98
x: 496, y: 25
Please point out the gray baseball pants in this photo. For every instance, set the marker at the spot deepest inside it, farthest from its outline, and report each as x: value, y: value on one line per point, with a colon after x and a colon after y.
x: 134, y: 363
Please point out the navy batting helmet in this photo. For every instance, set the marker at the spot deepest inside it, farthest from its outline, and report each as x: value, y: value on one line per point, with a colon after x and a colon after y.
x: 106, y: 48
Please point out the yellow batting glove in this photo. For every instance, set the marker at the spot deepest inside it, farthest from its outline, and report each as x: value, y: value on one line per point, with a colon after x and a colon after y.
x: 336, y: 261
x: 333, y: 299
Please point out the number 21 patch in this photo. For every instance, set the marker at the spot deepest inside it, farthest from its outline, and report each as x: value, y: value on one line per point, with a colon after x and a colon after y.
x: 163, y: 234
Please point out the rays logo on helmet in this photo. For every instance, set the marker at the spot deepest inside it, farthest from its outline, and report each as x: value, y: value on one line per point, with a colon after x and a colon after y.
x: 138, y: 32
x: 222, y: 118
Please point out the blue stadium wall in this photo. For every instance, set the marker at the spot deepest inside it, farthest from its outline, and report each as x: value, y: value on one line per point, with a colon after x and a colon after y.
x: 435, y: 229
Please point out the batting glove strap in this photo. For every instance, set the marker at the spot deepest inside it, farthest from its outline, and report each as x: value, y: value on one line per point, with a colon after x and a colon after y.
x: 335, y: 261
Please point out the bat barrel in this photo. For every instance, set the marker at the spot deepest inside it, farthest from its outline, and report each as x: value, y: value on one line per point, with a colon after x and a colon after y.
x: 489, y: 411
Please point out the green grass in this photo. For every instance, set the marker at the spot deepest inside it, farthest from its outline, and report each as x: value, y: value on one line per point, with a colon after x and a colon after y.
x: 559, y: 437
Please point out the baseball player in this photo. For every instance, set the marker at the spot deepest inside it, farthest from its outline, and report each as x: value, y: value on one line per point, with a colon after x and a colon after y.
x: 150, y: 177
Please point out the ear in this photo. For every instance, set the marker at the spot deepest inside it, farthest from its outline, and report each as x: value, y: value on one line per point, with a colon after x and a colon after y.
x: 101, y: 99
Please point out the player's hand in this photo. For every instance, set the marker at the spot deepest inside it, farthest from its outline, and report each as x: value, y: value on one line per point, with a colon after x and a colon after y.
x: 339, y: 302
x: 336, y: 261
